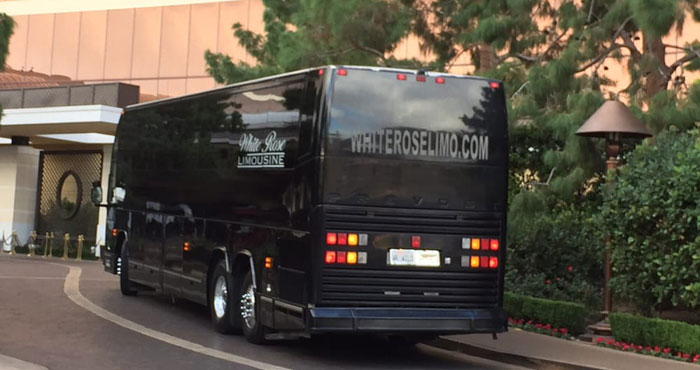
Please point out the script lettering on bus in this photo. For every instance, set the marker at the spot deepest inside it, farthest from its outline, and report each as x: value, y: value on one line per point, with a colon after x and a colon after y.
x: 422, y: 143
x: 261, y: 153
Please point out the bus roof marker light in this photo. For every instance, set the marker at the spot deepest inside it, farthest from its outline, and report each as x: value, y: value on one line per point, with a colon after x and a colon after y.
x: 320, y: 72
x: 420, y: 78
x: 401, y: 77
x: 439, y: 80
x: 342, y: 72
x: 494, y: 84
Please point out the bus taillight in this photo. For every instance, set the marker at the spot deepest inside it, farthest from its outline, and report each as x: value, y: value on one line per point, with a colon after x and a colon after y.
x: 331, y: 238
x: 493, y: 262
x: 342, y: 239
x: 415, y: 241
x: 494, y: 244
x: 330, y: 257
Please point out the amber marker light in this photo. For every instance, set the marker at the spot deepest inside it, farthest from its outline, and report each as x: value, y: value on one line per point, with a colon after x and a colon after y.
x: 352, y: 258
x: 474, y: 262
x: 352, y: 239
x: 476, y: 244
x: 186, y: 246
x: 115, y: 232
x: 268, y: 262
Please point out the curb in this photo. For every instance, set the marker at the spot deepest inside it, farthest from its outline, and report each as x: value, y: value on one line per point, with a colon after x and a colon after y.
x: 504, y: 357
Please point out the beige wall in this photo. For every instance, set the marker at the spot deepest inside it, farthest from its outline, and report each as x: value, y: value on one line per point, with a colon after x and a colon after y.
x: 159, y: 48
x: 19, y: 168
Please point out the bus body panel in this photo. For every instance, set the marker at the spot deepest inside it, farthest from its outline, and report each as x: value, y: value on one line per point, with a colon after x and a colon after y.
x: 250, y: 170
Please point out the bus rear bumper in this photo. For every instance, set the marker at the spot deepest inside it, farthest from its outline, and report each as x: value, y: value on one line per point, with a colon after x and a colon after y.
x: 402, y: 320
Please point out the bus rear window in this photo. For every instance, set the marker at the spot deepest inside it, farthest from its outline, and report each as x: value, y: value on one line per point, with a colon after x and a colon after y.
x: 379, y: 114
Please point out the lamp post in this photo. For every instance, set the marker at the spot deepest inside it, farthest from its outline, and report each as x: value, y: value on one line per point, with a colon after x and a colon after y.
x: 612, y: 121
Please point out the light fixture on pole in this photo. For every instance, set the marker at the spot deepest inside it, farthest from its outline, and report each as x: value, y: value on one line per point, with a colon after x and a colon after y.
x: 613, y: 121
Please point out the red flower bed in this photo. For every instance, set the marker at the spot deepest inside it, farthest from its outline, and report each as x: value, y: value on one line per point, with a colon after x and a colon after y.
x: 545, y: 329
x: 653, y: 351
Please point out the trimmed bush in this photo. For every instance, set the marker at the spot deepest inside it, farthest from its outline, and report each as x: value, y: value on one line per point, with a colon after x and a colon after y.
x: 646, y: 331
x: 557, y: 313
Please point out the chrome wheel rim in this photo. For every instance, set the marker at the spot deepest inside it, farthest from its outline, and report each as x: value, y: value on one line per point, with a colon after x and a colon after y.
x: 220, y: 297
x: 248, y: 306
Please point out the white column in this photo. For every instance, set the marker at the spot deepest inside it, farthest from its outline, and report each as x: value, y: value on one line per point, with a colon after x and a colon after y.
x: 102, y: 217
x: 19, y: 171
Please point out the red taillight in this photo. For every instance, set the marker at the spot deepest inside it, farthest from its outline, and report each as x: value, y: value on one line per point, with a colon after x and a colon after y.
x: 320, y: 72
x: 330, y: 256
x: 341, y: 257
x: 494, y: 244
x: 331, y: 238
x: 420, y: 78
x: 484, y: 244
x: 401, y: 77
x: 483, y: 261
x: 115, y: 232
x: 415, y: 241
x: 493, y: 262
x: 342, y: 72
x: 439, y: 80
x: 342, y: 239
x: 494, y: 85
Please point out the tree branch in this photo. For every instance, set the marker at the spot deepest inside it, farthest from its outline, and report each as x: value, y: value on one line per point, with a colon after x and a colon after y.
x: 600, y: 57
x: 371, y: 51
x: 629, y: 44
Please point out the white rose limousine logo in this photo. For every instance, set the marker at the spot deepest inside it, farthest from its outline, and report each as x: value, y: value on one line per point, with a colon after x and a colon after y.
x: 257, y: 153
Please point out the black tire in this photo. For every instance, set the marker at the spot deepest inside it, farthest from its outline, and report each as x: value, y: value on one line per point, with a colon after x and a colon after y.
x: 226, y: 317
x: 252, y: 329
x: 125, y: 285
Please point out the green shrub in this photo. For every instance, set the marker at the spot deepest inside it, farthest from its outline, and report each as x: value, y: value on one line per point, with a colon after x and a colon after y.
x: 557, y: 313
x: 676, y: 335
x: 557, y: 254
x: 652, y: 215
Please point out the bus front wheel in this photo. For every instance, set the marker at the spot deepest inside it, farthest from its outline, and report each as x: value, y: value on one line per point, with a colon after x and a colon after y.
x: 222, y: 301
x: 250, y: 312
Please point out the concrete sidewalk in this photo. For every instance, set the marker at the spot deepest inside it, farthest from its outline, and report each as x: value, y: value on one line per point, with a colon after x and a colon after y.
x: 540, y: 351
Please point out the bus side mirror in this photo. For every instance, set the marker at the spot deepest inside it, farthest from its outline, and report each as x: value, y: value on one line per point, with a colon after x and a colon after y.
x: 119, y: 194
x: 96, y: 193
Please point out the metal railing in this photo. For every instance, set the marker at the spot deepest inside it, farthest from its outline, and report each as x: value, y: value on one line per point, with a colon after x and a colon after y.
x: 50, y: 245
x: 111, y: 94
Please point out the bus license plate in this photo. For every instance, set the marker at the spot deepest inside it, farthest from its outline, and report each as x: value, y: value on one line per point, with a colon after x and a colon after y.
x: 414, y: 257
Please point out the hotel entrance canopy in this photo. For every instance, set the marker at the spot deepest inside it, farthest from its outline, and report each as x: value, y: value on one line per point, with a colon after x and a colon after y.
x: 64, y: 115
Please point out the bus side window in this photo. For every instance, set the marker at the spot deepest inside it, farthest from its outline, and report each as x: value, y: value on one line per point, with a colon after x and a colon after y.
x: 306, y: 118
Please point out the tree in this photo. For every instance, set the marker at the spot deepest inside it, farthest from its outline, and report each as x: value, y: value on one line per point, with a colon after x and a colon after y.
x: 7, y: 26
x: 306, y: 33
x: 551, y: 55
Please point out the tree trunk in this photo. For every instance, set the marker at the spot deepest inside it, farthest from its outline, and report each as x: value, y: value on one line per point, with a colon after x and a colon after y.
x: 487, y: 58
x: 656, y: 73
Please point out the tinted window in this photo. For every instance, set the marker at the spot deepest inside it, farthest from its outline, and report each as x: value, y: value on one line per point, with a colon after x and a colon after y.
x: 376, y: 114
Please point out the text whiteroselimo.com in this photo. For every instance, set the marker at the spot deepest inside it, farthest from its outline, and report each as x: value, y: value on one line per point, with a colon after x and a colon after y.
x: 422, y: 143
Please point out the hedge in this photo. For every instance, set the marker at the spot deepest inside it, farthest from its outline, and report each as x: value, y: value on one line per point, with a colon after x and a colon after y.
x: 557, y: 313
x: 646, y: 331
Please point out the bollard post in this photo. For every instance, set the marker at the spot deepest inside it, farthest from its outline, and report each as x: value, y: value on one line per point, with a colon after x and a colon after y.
x: 80, y: 247
x: 46, y: 245
x: 32, y: 242
x: 66, y: 239
x: 51, y: 236
x: 13, y: 242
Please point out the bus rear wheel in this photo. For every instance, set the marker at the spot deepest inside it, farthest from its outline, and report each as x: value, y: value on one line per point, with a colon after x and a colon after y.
x: 250, y: 312
x: 225, y: 315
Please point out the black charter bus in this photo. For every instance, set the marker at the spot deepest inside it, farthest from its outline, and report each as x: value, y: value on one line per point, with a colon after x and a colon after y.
x: 335, y: 199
